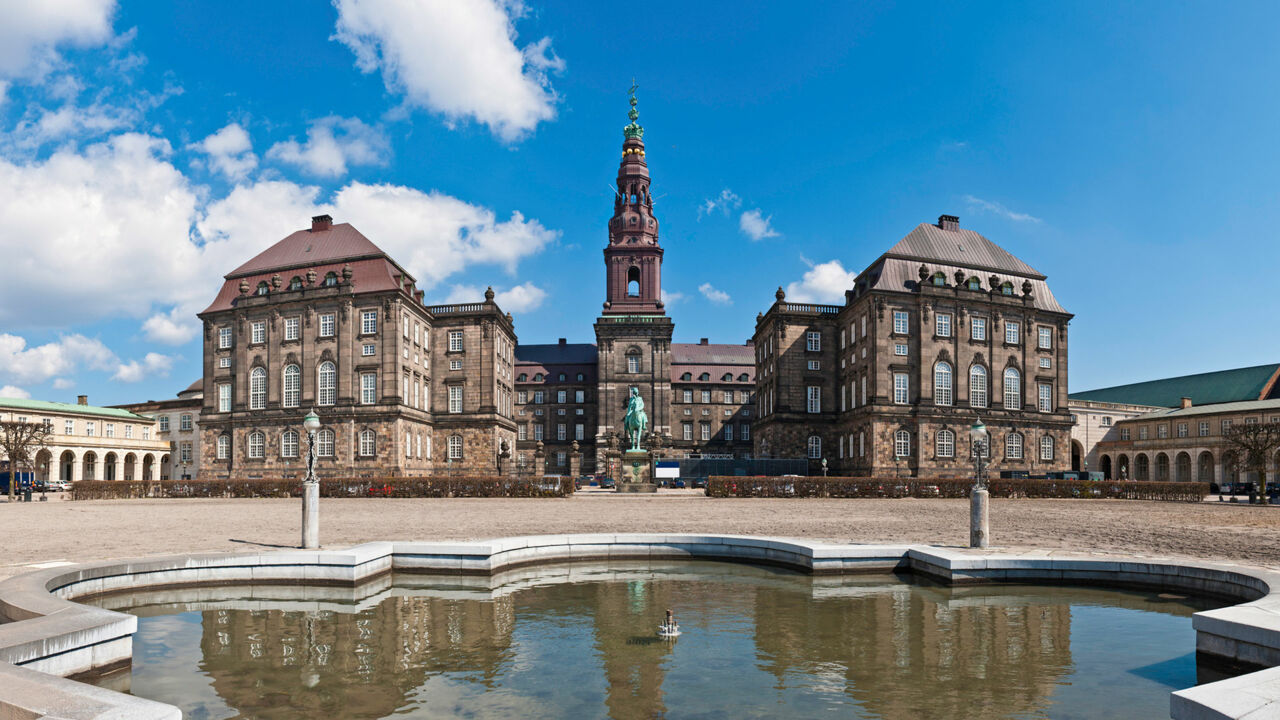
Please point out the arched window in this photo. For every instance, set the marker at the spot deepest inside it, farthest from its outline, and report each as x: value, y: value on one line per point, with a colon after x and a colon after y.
x: 224, y: 447
x: 815, y: 447
x: 327, y: 383
x: 292, y: 385
x: 256, y: 443
x: 257, y: 389
x: 633, y: 361
x: 1143, y: 468
x: 289, y: 444
x: 368, y: 443
x: 1046, y: 448
x: 331, y: 279
x: 1012, y: 389
x: 263, y: 288
x: 942, y: 384
x: 687, y: 376
x: 743, y: 377
x: 563, y: 377
x: 455, y: 447
x: 704, y: 377
x: 523, y: 378
x: 1013, y: 446
x: 324, y: 443
x: 946, y: 444
x: 902, y: 444
x: 1006, y: 288
x: 977, y: 386
x: 633, y: 282
x: 975, y: 283
x: 939, y: 279
x: 581, y: 377
x: 727, y: 377
x: 295, y: 283
x: 537, y: 377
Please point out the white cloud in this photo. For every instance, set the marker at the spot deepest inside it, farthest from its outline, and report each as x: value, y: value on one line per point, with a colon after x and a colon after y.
x: 9, y: 391
x: 517, y: 299
x: 153, y: 364
x: 32, y: 32
x: 63, y: 384
x: 455, y: 58
x: 823, y: 283
x: 172, y: 328
x: 755, y: 226
x: 334, y: 143
x: 726, y: 202
x: 979, y: 205
x: 37, y: 364
x: 230, y: 151
x: 671, y: 298
x: 718, y: 297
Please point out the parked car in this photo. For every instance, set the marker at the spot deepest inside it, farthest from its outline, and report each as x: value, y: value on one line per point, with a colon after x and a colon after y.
x: 58, y: 486
x: 606, y: 482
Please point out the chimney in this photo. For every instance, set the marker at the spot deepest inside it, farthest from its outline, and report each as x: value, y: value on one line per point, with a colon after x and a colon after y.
x: 1186, y: 403
x: 321, y: 222
x: 82, y: 399
x: 949, y: 222
x: 562, y: 341
x: 702, y: 341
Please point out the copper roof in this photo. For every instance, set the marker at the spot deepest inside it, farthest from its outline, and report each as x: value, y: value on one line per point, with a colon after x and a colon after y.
x: 960, y: 247
x: 306, y: 248
x: 1222, y: 386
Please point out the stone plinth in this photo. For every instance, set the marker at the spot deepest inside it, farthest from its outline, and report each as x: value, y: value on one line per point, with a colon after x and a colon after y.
x: 637, y: 473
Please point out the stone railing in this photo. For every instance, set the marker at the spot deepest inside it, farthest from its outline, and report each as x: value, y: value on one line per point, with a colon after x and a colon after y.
x: 456, y: 309
x: 810, y: 308
x: 45, y: 636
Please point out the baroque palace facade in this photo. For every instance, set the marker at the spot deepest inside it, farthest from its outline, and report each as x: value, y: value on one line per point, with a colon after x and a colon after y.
x: 943, y: 329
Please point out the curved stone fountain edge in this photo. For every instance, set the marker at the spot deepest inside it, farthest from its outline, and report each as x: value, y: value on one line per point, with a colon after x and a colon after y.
x: 46, y: 636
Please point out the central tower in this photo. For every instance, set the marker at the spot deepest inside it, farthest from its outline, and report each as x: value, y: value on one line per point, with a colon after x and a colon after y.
x: 633, y: 333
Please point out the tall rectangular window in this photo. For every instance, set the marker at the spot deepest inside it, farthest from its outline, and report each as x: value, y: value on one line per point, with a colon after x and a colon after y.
x: 978, y: 328
x: 579, y: 431
x: 111, y: 428
x: 368, y: 388
x: 326, y: 325
x: 942, y: 325
x: 184, y: 423
x: 368, y: 322
x: 258, y: 332
x: 688, y: 430
x: 688, y: 396
x: 1162, y: 431
x: 1204, y: 429
x: 1046, y: 397
x: 1011, y: 333
x: 539, y: 397
x: 900, y: 388
x: 224, y: 397
x: 706, y: 396
x: 163, y: 421
x: 579, y: 396
x: 1046, y: 338
x: 455, y: 398
x: 561, y: 432
x: 633, y: 363
x: 455, y: 341
x: 744, y: 431
x: 728, y: 397
x: 813, y: 395
x: 728, y: 432
x: 538, y: 429
x: 224, y: 338
x: 900, y: 319
x: 706, y: 430
x: 291, y: 328
x: 90, y: 428
x: 813, y: 341
x: 522, y: 431
x: 562, y: 396
x: 69, y: 427
x: 128, y: 432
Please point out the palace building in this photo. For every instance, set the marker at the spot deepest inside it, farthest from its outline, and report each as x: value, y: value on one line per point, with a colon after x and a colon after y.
x: 944, y: 328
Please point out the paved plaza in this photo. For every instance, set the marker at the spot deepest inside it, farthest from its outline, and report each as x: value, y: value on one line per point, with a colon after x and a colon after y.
x: 64, y: 531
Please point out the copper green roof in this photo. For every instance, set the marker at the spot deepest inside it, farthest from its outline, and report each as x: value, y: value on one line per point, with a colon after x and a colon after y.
x: 44, y: 406
x: 1223, y: 386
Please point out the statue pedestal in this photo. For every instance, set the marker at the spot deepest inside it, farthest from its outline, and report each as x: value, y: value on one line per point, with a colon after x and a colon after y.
x: 637, y: 473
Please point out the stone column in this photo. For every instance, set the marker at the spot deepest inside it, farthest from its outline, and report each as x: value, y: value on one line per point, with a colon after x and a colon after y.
x: 540, y: 460
x: 575, y: 460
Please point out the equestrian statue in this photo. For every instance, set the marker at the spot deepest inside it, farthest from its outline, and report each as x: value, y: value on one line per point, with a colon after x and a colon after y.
x: 636, y: 421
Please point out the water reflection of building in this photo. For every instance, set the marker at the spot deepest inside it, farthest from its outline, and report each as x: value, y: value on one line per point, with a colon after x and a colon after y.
x: 359, y: 665
x: 921, y: 653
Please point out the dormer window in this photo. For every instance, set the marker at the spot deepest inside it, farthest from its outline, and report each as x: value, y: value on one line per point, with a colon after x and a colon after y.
x: 939, y: 279
x: 742, y: 377
x: 537, y: 378
x: 295, y: 283
x: 523, y: 378
x: 263, y: 288
x: 727, y: 377
x: 331, y: 279
x: 687, y: 376
x: 704, y: 377
x: 975, y: 283
x: 1006, y: 289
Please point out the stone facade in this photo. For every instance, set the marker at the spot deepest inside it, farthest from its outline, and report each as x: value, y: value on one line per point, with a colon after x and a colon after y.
x: 402, y: 389
x: 1095, y: 422
x: 177, y: 423
x: 882, y: 384
x: 91, y: 443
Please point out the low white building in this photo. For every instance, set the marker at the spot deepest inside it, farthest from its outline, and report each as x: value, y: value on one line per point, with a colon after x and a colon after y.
x: 91, y: 443
x: 1095, y: 422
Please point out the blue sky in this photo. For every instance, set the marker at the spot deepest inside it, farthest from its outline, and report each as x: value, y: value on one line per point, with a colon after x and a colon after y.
x: 147, y: 148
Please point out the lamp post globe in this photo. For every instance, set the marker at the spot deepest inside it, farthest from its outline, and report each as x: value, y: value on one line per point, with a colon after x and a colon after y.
x: 311, y: 488
x: 979, y: 527
x: 978, y: 431
x: 311, y: 422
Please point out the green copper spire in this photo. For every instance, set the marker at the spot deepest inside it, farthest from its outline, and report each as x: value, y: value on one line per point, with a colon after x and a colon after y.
x: 633, y: 130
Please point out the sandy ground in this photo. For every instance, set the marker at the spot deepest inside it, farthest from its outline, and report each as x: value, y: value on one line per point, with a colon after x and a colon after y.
x: 61, y: 530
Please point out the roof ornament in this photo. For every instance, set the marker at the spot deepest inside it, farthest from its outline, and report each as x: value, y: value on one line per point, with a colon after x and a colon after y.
x: 244, y: 287
x: 488, y: 294
x: 1026, y: 287
x: 780, y: 295
x: 923, y: 272
x: 633, y: 130
x: 346, y: 273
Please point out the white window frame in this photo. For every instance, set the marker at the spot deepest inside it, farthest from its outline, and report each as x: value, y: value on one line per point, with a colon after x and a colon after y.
x: 978, y: 390
x: 943, y: 384
x: 978, y: 328
x: 326, y: 383
x: 1046, y: 447
x: 257, y: 332
x: 257, y: 445
x: 224, y: 397
x: 1045, y: 338
x: 455, y: 343
x: 901, y: 389
x: 258, y: 388
x: 368, y: 322
x: 289, y: 444
x: 1013, y: 446
x: 901, y: 349
x: 224, y: 338
x: 942, y: 325
x: 223, y: 446
x: 813, y: 398
x: 1012, y: 390
x: 368, y: 388
x: 901, y: 443
x: 814, y: 447
x: 368, y: 443
x: 325, y: 443
x: 1012, y: 332
x: 290, y: 386
x: 813, y: 341
x: 945, y: 444
x: 326, y: 325
x: 291, y: 325
x: 901, y: 322
x: 455, y: 398
x: 1045, y: 397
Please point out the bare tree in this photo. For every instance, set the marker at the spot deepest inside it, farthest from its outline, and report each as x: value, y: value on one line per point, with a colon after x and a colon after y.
x: 21, y: 441
x: 1256, y: 442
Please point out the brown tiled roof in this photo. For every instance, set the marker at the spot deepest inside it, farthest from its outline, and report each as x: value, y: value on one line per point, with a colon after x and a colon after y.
x: 960, y: 247
x: 713, y: 354
x: 715, y: 371
x: 373, y: 275
x: 306, y: 248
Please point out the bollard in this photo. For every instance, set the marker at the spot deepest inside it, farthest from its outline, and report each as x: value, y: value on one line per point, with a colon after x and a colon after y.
x: 310, y: 515
x: 979, y: 528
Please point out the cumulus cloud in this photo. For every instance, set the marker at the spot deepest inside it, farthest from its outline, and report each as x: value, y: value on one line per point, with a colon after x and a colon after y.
x: 517, y: 299
x: 458, y: 59
x: 755, y: 226
x: 986, y: 206
x: 229, y: 151
x: 172, y: 328
x: 333, y: 144
x: 718, y: 297
x: 726, y: 202
x: 671, y: 298
x: 10, y: 391
x: 31, y: 365
x: 33, y: 32
x: 823, y: 283
x: 152, y: 365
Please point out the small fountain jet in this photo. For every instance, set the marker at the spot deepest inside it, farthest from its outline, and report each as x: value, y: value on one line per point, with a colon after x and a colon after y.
x: 669, y: 628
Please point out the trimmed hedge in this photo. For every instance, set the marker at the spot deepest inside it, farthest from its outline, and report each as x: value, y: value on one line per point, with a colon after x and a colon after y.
x: 336, y: 487
x: 839, y: 487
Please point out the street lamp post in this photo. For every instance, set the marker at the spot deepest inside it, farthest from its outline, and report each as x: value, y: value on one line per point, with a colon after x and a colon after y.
x: 979, y: 527
x: 310, y: 487
x: 824, y: 467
